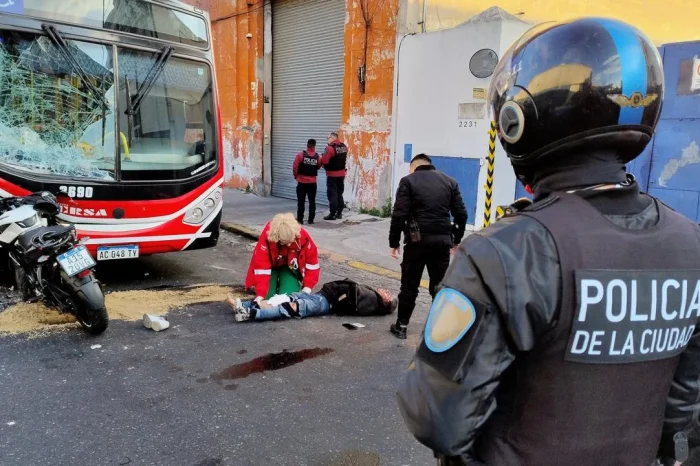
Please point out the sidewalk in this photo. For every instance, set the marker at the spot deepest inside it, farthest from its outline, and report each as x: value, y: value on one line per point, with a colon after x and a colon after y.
x: 360, y: 240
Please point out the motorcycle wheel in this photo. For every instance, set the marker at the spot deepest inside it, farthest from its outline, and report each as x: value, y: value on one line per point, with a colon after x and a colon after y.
x: 93, y: 321
x: 22, y: 283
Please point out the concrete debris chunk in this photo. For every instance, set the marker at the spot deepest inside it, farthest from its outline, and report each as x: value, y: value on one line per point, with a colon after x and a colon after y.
x: 156, y: 323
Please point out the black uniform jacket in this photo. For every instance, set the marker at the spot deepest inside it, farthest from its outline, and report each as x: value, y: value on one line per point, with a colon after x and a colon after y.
x: 508, y: 268
x: 428, y: 196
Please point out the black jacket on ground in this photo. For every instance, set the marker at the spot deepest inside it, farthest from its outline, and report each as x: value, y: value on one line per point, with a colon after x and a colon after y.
x: 430, y: 197
x: 347, y: 297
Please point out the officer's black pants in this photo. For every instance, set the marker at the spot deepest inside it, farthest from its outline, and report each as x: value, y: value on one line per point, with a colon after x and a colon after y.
x: 305, y: 190
x: 415, y: 258
x: 336, y: 187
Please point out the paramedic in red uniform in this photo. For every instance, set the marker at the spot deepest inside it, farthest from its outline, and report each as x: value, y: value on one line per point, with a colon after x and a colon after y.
x: 285, y: 260
x: 334, y: 162
x: 306, y: 165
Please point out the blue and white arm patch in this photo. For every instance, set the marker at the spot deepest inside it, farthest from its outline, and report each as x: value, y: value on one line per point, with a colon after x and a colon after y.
x: 450, y: 318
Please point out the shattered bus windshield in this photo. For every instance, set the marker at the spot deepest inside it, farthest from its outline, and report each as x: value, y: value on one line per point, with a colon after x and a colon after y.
x: 50, y: 122
x: 61, y: 107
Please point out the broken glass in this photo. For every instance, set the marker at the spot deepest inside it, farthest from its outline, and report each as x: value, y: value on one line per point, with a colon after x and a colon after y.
x: 52, y: 121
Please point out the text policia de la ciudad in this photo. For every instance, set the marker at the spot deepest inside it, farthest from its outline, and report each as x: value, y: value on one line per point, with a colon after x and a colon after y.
x: 633, y: 316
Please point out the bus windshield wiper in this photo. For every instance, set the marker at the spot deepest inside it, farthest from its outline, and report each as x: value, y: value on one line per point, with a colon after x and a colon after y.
x: 150, y: 79
x: 61, y: 44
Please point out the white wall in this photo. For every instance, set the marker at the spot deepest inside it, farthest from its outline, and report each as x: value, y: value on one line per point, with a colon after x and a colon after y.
x: 433, y: 79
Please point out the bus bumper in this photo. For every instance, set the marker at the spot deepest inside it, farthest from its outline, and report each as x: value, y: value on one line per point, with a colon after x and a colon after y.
x: 156, y: 241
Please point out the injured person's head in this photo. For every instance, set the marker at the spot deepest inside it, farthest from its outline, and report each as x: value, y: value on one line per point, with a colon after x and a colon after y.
x: 389, y: 301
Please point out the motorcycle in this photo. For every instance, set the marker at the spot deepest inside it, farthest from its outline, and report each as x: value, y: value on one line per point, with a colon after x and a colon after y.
x: 48, y: 262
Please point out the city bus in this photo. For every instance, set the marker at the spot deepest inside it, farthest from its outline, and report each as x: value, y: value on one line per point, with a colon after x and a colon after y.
x: 112, y: 104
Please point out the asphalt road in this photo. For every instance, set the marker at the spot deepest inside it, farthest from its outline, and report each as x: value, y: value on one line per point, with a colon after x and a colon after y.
x: 209, y: 391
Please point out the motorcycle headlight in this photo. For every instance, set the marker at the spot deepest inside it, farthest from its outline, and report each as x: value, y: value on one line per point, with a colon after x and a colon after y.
x: 201, y: 211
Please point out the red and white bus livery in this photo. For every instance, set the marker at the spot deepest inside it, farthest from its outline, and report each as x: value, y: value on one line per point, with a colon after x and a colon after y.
x: 113, y: 103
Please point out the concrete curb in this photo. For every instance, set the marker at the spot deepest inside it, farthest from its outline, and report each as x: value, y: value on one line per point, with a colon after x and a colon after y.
x: 251, y: 233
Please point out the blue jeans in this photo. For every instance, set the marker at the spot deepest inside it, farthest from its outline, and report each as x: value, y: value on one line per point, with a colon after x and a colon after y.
x: 307, y: 305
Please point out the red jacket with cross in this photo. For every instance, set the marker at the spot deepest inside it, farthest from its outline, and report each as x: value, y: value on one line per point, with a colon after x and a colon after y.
x: 300, y: 256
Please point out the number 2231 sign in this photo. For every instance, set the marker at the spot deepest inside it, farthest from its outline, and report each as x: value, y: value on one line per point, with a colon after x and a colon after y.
x: 467, y: 123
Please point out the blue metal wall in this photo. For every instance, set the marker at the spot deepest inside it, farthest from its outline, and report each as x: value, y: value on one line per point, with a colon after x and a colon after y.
x: 465, y: 171
x: 672, y: 166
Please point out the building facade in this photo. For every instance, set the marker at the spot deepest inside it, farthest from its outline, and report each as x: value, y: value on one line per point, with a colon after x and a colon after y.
x: 291, y: 70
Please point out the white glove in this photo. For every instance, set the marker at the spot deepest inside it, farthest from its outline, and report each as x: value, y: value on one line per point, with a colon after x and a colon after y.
x: 306, y: 290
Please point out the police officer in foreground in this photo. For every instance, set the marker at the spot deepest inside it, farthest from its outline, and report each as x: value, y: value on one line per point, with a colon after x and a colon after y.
x: 567, y: 333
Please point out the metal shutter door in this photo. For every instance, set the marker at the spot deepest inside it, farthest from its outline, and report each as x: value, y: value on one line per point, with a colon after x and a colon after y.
x: 308, y: 66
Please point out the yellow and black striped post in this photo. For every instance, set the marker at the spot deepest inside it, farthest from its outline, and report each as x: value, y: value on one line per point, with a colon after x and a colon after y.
x: 489, y: 177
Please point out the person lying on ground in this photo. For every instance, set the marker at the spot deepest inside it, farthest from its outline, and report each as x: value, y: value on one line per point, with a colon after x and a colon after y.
x: 341, y: 297
x: 285, y: 259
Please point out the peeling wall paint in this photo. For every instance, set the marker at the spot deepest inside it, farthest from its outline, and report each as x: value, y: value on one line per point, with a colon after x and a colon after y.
x: 366, y: 127
x: 366, y: 117
x: 689, y: 156
x: 238, y: 81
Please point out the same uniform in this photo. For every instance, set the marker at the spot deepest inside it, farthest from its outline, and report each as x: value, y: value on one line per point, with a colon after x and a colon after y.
x: 334, y: 161
x: 567, y: 334
x: 429, y: 197
x: 563, y: 335
x: 305, y: 170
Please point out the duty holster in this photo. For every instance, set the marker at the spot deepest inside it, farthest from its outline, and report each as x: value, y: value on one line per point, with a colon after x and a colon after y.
x: 413, y: 231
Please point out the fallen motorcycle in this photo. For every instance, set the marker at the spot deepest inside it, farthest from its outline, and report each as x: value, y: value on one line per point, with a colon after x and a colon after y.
x: 48, y: 262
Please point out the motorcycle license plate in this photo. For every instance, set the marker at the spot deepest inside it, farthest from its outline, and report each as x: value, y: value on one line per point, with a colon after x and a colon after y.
x: 76, y: 260
x: 105, y: 253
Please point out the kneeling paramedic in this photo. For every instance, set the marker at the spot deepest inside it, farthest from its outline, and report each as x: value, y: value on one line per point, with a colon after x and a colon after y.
x: 567, y: 332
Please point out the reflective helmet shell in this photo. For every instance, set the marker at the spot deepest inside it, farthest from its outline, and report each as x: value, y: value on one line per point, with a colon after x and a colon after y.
x: 593, y: 81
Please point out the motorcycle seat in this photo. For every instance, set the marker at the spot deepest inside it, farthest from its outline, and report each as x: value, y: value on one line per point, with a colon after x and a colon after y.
x: 43, y: 234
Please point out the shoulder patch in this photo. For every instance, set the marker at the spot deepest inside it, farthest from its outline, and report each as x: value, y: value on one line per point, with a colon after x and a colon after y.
x: 450, y: 318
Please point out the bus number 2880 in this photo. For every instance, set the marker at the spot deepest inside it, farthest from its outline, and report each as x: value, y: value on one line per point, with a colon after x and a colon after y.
x: 77, y: 191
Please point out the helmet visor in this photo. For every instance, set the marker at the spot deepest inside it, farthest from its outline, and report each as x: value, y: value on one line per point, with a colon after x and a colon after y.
x: 506, y: 71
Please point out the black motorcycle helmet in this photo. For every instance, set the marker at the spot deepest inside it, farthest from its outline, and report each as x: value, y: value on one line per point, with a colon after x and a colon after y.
x: 592, y: 81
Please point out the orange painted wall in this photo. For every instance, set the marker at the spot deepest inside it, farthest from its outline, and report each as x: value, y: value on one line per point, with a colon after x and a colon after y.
x: 236, y: 59
x: 366, y: 127
x: 366, y: 117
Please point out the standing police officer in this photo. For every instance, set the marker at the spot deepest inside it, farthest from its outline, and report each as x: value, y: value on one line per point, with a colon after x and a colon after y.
x: 305, y: 169
x: 567, y: 333
x: 425, y: 199
x: 334, y: 162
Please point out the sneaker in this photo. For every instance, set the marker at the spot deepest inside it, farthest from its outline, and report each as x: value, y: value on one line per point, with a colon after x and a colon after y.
x: 234, y: 303
x: 398, y: 330
x: 241, y: 315
x: 329, y: 217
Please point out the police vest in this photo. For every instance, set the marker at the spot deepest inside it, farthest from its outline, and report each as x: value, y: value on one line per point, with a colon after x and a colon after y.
x: 593, y: 391
x: 309, y: 164
x: 337, y: 162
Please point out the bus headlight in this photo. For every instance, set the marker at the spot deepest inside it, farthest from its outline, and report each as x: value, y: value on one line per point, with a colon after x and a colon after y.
x: 201, y: 211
